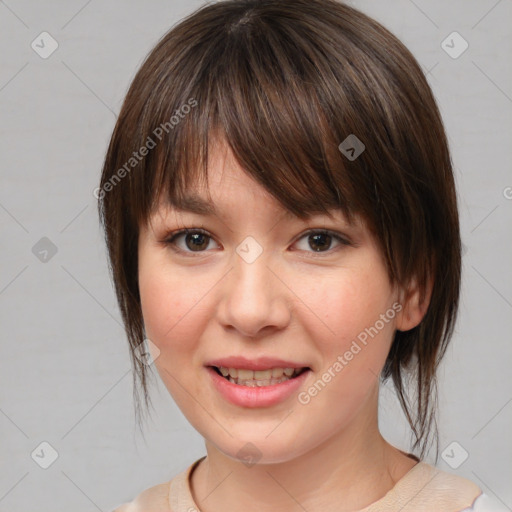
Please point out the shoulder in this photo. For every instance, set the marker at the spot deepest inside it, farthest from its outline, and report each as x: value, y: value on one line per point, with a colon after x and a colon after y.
x: 167, y: 497
x: 154, y: 499
x: 426, y: 488
x: 443, y: 490
x: 444, y: 481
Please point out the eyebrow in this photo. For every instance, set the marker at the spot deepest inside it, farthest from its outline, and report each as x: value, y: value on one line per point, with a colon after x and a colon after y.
x: 193, y: 204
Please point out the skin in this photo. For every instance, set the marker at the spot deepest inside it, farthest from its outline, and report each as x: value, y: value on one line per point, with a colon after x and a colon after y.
x: 293, y: 303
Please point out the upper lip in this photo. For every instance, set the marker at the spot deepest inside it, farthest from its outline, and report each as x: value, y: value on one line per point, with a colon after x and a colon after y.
x: 258, y: 363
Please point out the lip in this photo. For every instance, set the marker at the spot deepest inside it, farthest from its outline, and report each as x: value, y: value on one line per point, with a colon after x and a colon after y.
x: 253, y: 397
x: 259, y: 363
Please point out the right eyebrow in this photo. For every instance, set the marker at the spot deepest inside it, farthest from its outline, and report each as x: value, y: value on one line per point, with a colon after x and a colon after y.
x: 194, y: 204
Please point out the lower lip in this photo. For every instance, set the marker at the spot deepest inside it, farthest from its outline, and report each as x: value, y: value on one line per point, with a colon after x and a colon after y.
x: 252, y: 397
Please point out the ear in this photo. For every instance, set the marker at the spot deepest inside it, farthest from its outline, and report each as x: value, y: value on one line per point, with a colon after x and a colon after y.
x: 414, y: 305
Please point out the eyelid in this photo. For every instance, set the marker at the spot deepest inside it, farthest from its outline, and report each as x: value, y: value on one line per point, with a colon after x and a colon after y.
x: 343, y: 241
x: 168, y: 240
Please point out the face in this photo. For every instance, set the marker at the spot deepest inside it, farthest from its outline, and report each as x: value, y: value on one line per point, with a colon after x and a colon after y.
x: 251, y: 287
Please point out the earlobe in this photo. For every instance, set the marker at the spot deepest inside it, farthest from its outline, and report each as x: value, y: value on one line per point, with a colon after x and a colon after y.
x: 414, y: 306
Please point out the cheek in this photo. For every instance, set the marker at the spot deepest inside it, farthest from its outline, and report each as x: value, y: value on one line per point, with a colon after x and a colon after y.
x: 353, y: 342
x: 174, y: 312
x: 353, y: 317
x: 173, y: 306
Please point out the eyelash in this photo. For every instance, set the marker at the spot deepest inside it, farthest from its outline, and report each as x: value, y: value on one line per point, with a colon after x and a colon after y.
x: 170, y: 241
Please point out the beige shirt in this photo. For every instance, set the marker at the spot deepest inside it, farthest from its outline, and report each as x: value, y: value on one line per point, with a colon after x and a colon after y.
x: 423, y: 488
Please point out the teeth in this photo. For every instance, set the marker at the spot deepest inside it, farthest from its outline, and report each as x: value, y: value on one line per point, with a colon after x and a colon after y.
x: 260, y: 374
x: 258, y: 378
x: 277, y: 372
x: 243, y: 374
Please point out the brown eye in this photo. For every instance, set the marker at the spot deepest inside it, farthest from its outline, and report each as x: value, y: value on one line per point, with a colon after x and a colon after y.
x: 196, y: 241
x: 320, y: 242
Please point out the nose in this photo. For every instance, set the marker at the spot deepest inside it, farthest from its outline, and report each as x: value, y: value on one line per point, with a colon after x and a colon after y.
x: 253, y: 299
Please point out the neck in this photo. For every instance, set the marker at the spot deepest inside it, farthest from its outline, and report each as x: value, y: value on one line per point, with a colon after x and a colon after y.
x: 349, y: 471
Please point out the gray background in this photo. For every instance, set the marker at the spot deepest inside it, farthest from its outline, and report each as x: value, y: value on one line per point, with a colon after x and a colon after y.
x: 65, y: 372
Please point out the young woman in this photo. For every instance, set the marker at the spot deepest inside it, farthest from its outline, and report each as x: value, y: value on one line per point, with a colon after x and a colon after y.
x: 282, y: 227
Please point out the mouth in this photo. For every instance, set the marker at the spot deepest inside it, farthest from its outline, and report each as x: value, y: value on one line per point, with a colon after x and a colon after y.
x: 258, y: 378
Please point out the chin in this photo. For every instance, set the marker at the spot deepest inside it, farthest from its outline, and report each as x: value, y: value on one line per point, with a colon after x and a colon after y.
x: 261, y: 448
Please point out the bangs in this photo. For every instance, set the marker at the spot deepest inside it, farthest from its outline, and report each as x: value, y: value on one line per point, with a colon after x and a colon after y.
x: 266, y: 104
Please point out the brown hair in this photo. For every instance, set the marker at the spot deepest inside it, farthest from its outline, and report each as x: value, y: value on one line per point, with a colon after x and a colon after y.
x: 285, y: 82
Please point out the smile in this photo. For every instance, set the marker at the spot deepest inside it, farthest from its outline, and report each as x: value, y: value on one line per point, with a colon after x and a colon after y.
x: 257, y: 388
x: 258, y: 378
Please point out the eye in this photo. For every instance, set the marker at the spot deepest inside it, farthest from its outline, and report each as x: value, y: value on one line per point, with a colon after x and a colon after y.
x: 195, y: 240
x: 320, y: 240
